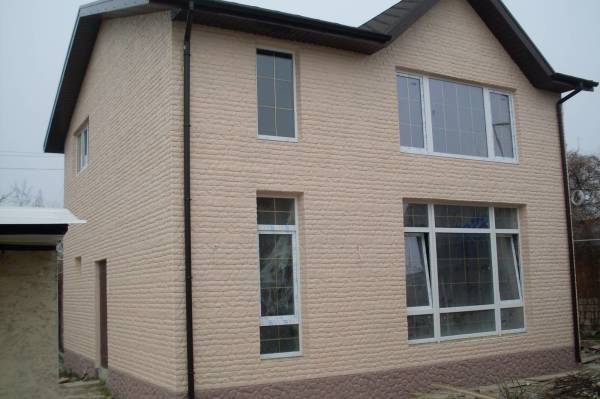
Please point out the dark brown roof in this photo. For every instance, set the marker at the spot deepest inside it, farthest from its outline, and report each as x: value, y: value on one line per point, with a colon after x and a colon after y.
x: 369, y: 38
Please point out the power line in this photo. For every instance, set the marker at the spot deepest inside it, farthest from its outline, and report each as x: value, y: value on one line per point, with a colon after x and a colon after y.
x: 10, y: 168
x: 29, y: 154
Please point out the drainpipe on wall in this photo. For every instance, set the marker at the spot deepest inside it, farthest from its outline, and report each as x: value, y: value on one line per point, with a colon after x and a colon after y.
x: 186, y: 203
x: 565, y: 171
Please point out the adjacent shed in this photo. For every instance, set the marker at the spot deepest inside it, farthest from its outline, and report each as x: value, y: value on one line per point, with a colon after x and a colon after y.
x: 28, y: 299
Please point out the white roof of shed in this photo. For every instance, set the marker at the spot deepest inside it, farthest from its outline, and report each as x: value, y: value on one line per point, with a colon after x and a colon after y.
x: 26, y: 215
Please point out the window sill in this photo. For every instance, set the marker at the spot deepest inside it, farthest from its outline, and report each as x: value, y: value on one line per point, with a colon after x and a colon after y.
x: 278, y: 138
x: 418, y: 151
x: 280, y: 355
x: 466, y: 337
x: 80, y: 171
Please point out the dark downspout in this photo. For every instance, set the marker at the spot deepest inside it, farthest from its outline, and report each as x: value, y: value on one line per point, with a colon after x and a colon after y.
x: 565, y: 170
x: 189, y: 325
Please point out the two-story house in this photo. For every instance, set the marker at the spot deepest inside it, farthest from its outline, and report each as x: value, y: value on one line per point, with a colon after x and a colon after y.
x: 279, y: 206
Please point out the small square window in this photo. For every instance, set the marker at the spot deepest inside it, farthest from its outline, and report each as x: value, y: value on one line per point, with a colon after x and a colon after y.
x: 275, y: 211
x: 415, y: 215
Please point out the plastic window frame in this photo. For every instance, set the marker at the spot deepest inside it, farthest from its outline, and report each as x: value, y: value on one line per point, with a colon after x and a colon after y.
x: 293, y: 139
x: 428, y: 126
x: 82, y: 157
x: 497, y: 306
x: 264, y: 321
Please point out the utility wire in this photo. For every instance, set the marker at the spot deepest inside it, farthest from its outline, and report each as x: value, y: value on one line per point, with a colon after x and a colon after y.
x: 11, y: 168
x: 29, y: 154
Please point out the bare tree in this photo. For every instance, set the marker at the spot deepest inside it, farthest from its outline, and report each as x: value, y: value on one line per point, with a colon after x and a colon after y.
x: 21, y: 195
x: 584, y: 182
x: 38, y: 201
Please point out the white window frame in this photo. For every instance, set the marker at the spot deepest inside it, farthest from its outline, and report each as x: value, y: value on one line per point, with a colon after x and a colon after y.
x: 497, y: 306
x: 421, y: 310
x: 267, y: 321
x: 82, y: 157
x: 294, y: 87
x: 428, y: 126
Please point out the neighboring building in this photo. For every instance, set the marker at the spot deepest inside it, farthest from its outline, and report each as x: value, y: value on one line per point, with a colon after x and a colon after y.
x: 372, y: 209
x: 28, y: 300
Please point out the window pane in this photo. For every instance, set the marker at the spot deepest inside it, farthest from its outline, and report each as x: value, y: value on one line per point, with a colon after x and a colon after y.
x: 420, y: 327
x: 284, y: 67
x: 285, y: 123
x: 465, y: 217
x: 512, y: 319
x: 79, y: 153
x: 501, y: 124
x: 265, y: 64
x: 464, y: 270
x: 285, y: 94
x: 278, y: 211
x: 506, y: 218
x: 279, y: 339
x: 276, y: 274
x: 410, y: 110
x: 84, y: 137
x: 415, y: 215
x: 467, y: 322
x: 266, y: 121
x: 266, y: 93
x: 456, y: 115
x: 507, y: 270
x: 417, y: 292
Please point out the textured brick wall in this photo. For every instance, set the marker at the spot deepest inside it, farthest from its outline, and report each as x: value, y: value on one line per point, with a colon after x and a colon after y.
x: 28, y: 324
x: 125, y: 194
x: 353, y: 178
x: 404, y: 383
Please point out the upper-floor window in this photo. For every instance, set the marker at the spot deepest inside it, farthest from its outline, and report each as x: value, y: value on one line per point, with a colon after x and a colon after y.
x: 463, y: 271
x: 449, y: 118
x: 275, y: 95
x: 82, y: 144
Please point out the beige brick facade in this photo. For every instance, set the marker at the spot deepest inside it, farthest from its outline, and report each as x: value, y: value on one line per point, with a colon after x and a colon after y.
x: 127, y: 192
x: 346, y: 169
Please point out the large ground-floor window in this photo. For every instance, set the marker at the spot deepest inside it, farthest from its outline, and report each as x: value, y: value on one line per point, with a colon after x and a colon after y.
x: 463, y: 274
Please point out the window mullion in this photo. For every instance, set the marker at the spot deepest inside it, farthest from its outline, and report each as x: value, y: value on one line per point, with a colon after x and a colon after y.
x: 516, y: 266
x: 488, y: 123
x: 295, y: 272
x: 495, y: 275
x: 513, y: 126
x: 428, y: 131
x: 434, y: 275
x: 425, y: 258
x: 275, y: 96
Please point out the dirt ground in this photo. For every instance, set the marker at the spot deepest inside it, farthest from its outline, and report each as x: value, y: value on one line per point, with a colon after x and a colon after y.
x: 581, y: 383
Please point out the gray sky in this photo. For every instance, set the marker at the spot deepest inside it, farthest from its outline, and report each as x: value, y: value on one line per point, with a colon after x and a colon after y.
x: 33, y: 51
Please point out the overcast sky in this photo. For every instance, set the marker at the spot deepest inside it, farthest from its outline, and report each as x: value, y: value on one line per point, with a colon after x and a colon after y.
x: 34, y: 36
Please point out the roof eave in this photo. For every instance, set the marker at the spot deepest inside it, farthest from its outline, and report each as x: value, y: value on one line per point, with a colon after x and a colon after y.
x: 573, y: 82
x: 367, y: 39
x: 208, y: 12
